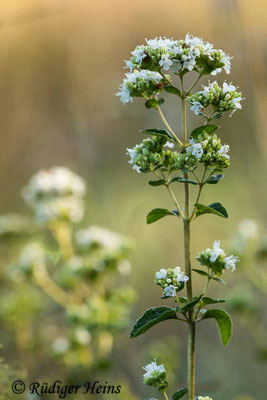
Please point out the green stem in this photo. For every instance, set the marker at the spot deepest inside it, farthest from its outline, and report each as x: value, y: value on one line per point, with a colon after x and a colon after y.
x: 175, y: 201
x: 189, y: 289
x: 168, y: 127
x: 165, y: 395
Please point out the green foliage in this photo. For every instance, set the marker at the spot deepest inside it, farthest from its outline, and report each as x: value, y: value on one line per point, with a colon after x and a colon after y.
x: 172, y: 90
x: 214, y: 208
x: 158, y: 213
x: 151, y: 103
x: 152, y: 317
x: 224, y: 323
x: 203, y: 129
x: 179, y: 394
x: 213, y: 179
x: 157, y: 132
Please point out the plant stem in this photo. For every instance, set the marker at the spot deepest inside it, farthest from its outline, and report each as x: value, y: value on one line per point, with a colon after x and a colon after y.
x: 175, y: 201
x: 165, y: 395
x: 187, y: 258
x: 168, y: 127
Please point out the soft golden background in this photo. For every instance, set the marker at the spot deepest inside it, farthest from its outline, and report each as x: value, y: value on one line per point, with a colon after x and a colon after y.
x: 60, y: 65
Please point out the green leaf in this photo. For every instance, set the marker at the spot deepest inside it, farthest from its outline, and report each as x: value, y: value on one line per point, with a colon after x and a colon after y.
x: 161, y: 101
x: 158, y: 182
x: 181, y: 179
x: 151, y: 103
x: 179, y: 394
x: 158, y: 213
x: 157, y: 132
x: 203, y: 129
x: 187, y: 306
x: 214, y: 208
x: 200, y: 272
x: 172, y: 90
x: 182, y: 299
x: 224, y: 323
x: 208, y: 300
x: 219, y: 280
x: 213, y: 179
x: 151, y: 317
x: 218, y: 115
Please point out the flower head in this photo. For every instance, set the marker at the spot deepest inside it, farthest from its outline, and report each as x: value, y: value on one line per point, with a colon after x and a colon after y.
x: 179, y: 56
x: 216, y: 260
x: 208, y: 150
x: 140, y: 84
x: 155, y: 375
x: 56, y: 193
x: 219, y: 98
x: 171, y: 280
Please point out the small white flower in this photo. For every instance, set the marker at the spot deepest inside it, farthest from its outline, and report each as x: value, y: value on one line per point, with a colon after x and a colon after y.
x: 180, y: 275
x: 139, y: 55
x: 60, y: 345
x: 230, y: 262
x: 165, y: 62
x: 216, y: 252
x: 196, y: 107
x: 129, y: 65
x: 82, y: 336
x: 204, y: 398
x: 152, y: 368
x: 228, y: 88
x: 162, y: 274
x: 170, y: 291
x: 195, y: 149
x: 224, y: 150
x: 170, y: 145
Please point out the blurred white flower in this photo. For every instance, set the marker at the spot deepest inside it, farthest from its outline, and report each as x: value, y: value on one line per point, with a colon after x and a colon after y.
x: 248, y: 228
x: 56, y: 193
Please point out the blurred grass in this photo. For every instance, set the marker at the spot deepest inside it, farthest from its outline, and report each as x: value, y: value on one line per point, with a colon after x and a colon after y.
x: 60, y: 65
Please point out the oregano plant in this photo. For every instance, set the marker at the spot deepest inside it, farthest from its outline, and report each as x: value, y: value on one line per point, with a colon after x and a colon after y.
x: 180, y: 160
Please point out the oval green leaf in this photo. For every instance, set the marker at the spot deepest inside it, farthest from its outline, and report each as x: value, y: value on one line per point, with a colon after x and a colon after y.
x: 172, y: 90
x: 182, y: 180
x: 214, y: 208
x: 151, y: 317
x: 203, y: 129
x: 155, y: 131
x: 179, y: 394
x: 213, y: 179
x: 224, y: 323
x: 158, y: 182
x: 208, y: 300
x: 158, y: 213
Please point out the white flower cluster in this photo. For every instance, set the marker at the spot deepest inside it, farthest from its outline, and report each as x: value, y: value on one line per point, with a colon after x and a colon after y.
x: 179, y: 55
x: 204, y: 398
x: 98, y: 237
x: 208, y: 150
x: 140, y: 84
x: 56, y: 193
x: 216, y: 259
x: 155, y: 375
x: 32, y: 256
x: 221, y: 98
x: 170, y: 280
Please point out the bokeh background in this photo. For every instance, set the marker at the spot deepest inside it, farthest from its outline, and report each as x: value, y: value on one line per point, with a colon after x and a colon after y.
x: 60, y: 65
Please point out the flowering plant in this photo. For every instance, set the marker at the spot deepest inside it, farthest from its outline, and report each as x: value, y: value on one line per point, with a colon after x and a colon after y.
x: 78, y: 268
x: 196, y: 159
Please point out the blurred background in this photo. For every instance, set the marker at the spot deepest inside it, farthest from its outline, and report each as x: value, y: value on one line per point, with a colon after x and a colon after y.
x: 60, y: 65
